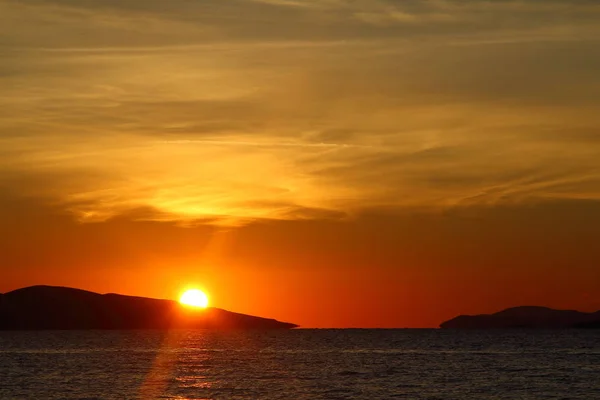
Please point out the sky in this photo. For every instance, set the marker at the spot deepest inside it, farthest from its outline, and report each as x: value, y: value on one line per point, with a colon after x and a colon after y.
x: 332, y: 163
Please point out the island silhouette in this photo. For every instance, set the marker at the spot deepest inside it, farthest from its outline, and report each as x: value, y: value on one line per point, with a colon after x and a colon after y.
x: 64, y: 308
x: 526, y: 317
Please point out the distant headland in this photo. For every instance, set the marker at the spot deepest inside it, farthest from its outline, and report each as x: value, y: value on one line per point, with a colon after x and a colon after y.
x: 526, y: 317
x: 51, y: 307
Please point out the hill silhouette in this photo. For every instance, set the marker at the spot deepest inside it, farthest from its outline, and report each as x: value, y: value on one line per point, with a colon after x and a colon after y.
x: 52, y: 307
x: 526, y: 317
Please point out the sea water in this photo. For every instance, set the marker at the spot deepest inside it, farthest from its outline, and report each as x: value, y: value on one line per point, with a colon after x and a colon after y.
x: 300, y: 364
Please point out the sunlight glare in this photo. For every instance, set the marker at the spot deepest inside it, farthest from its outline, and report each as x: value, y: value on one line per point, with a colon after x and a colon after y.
x: 194, y: 298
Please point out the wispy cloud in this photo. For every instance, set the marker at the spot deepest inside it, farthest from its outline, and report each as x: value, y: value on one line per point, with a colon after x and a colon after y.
x: 199, y: 111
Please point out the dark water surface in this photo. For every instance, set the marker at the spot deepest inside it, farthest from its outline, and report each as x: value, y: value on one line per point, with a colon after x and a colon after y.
x: 300, y: 364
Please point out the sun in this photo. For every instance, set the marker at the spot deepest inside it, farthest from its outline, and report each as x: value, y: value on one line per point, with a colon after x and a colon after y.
x: 194, y: 298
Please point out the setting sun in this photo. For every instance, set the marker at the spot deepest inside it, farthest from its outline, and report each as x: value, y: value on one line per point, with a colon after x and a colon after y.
x: 194, y: 298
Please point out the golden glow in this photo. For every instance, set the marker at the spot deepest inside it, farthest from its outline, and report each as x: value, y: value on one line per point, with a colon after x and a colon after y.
x: 194, y: 298
x: 268, y: 104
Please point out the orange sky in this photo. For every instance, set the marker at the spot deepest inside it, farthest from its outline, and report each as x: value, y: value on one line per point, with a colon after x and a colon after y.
x: 325, y: 162
x: 377, y: 270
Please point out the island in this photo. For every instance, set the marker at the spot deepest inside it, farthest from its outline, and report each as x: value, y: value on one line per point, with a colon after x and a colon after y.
x: 63, y: 308
x: 526, y: 317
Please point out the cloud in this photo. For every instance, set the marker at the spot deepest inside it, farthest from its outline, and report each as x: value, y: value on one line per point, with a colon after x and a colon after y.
x: 202, y: 111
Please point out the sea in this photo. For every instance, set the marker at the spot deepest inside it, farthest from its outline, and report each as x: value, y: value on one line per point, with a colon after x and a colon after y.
x: 301, y: 364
